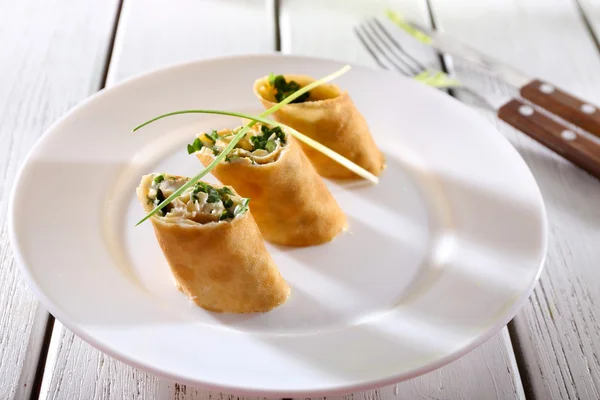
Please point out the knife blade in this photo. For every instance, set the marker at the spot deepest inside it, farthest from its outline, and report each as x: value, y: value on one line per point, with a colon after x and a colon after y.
x: 452, y: 47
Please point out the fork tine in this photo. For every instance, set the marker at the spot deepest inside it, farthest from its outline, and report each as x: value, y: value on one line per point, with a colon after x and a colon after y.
x: 397, y: 45
x: 366, y: 46
x: 375, y: 50
x: 413, y: 70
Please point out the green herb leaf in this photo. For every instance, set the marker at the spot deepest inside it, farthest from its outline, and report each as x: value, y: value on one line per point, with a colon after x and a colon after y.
x: 436, y: 79
x: 213, y: 196
x: 227, y: 202
x: 259, y: 142
x: 226, y: 214
x: 262, y: 141
x: 279, y: 133
x: 195, y: 146
x: 270, y: 146
x: 399, y: 20
x: 158, y: 179
x: 241, y: 208
x: 213, y: 136
x: 160, y: 197
x: 284, y: 89
x: 268, y: 132
x: 215, y: 151
x: 225, y: 190
x: 201, y: 187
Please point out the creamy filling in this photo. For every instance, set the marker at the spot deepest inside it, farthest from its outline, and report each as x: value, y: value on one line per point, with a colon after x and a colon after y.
x: 200, y: 203
x: 260, y: 145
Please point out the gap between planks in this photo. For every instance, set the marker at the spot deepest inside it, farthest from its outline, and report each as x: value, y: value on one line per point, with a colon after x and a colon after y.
x: 587, y: 22
x: 276, y: 6
x: 44, y: 370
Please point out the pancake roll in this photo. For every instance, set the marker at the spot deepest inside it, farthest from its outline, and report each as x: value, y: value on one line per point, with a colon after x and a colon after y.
x: 290, y: 202
x: 328, y: 115
x: 213, y: 246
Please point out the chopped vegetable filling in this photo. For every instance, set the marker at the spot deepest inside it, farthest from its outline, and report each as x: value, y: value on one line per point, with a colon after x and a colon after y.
x: 261, y: 145
x: 200, y: 203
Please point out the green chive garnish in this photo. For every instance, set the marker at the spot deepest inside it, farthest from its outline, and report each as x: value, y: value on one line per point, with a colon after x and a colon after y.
x: 236, y: 138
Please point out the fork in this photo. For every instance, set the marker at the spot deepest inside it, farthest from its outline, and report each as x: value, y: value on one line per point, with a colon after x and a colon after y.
x: 566, y: 139
x: 387, y: 51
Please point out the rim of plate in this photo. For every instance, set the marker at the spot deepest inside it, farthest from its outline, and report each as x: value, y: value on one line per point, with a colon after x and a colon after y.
x: 371, y: 384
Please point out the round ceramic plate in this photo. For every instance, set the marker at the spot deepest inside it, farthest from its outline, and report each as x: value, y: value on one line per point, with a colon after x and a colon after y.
x: 439, y: 256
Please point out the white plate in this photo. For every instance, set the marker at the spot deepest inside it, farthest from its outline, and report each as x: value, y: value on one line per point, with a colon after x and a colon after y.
x: 440, y: 255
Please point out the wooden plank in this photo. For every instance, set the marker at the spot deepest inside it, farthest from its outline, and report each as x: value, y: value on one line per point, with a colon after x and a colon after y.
x: 79, y: 371
x: 302, y: 24
x: 454, y: 381
x: 153, y: 34
x: 489, y: 372
x: 52, y: 57
x: 559, y: 330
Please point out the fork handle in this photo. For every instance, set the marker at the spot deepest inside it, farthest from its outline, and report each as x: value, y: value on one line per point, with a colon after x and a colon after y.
x: 580, y: 113
x: 580, y: 150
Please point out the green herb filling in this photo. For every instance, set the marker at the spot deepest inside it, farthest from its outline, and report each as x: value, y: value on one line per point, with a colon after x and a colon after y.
x: 284, y: 89
x: 232, y: 204
x: 265, y: 139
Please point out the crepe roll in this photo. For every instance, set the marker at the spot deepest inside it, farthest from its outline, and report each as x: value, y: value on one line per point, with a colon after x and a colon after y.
x: 328, y: 115
x: 213, y: 246
x: 290, y: 202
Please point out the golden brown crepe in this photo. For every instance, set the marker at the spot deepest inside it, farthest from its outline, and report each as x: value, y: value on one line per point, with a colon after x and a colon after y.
x: 330, y: 117
x: 290, y: 202
x: 213, y: 246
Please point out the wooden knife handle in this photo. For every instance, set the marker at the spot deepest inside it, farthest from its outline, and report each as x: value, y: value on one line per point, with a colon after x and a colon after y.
x: 579, y: 112
x: 579, y: 149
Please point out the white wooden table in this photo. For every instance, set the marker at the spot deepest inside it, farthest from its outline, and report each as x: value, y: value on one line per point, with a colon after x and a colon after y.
x: 54, y: 53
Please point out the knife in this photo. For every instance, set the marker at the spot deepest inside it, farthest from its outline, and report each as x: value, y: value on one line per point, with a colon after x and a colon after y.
x: 568, y: 141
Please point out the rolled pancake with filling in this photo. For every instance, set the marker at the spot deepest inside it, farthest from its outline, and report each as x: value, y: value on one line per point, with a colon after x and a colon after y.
x: 329, y: 116
x: 290, y: 202
x: 213, y: 246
